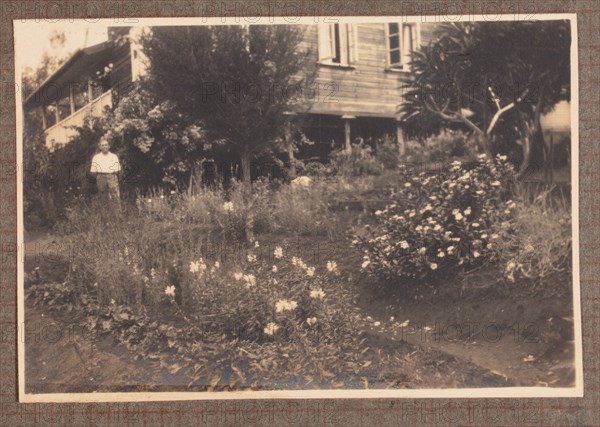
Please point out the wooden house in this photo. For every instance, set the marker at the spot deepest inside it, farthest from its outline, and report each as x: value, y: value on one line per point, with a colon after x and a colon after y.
x: 358, y: 88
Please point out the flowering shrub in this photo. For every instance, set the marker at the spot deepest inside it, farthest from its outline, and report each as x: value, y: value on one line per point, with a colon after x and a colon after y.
x: 257, y: 300
x: 266, y: 318
x: 440, y: 222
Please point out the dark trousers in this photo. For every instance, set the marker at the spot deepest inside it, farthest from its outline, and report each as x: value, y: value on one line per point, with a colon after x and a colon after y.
x: 108, y: 187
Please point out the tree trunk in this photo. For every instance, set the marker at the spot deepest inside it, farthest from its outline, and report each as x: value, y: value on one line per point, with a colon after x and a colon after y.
x: 485, y: 143
x: 248, y: 208
x: 533, y: 140
x: 246, y: 177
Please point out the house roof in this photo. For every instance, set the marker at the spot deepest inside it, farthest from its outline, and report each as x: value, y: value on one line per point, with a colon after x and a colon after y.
x: 83, y: 62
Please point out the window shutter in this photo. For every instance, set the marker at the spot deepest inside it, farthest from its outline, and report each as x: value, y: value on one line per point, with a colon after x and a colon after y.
x: 352, y: 44
x: 324, y: 42
x: 408, y: 42
x: 344, y: 44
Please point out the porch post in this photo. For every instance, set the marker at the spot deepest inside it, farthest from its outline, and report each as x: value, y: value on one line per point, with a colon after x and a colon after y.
x: 400, y: 138
x: 71, y: 100
x: 90, y: 92
x: 44, y: 123
x: 56, y: 112
x: 347, y: 132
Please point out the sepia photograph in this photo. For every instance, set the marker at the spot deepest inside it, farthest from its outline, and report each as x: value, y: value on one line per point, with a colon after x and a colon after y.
x: 330, y: 207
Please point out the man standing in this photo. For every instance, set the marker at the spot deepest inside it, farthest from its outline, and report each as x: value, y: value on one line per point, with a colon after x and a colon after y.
x: 106, y: 168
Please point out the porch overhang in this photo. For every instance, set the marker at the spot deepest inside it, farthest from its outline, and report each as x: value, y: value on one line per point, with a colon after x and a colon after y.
x: 83, y: 63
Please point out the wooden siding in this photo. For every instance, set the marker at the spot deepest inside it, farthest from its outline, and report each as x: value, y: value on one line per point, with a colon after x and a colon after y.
x: 365, y: 88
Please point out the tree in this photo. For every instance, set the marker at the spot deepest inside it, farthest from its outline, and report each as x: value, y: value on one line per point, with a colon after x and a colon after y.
x: 238, y: 81
x: 158, y: 141
x: 496, y: 79
x: 38, y: 178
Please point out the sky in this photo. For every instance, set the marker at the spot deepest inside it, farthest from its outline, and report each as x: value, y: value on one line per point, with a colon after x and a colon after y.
x: 33, y: 39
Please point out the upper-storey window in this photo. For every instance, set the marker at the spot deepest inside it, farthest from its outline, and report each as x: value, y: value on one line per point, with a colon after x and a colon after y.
x: 337, y: 44
x: 401, y: 38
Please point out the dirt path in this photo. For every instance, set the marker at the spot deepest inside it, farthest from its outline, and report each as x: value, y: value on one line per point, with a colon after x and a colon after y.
x: 61, y: 357
x: 527, y: 341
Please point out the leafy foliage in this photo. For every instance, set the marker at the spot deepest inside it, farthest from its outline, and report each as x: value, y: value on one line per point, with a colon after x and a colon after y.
x: 234, y: 79
x: 455, y: 79
x: 440, y: 223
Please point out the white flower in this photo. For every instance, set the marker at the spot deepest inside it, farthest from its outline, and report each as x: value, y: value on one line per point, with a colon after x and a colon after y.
x: 317, y: 293
x: 458, y: 216
x: 238, y: 276
x: 256, y: 244
x: 423, y: 250
x: 496, y: 184
x: 197, y: 266
x: 310, y: 271
x: 404, y: 244
x: 441, y: 255
x: 475, y: 224
x: 251, y: 258
x: 411, y: 214
x: 433, y: 266
x: 298, y: 262
x: 250, y: 280
x: 484, y: 236
x: 274, y: 269
x: 217, y: 264
x: 468, y: 211
x: 407, y: 184
x: 450, y: 249
x: 278, y: 252
x: 271, y: 328
x: 283, y: 305
x: 377, y: 323
x: 476, y: 254
x: 378, y: 212
x: 149, y: 200
x: 365, y: 264
x: 162, y: 196
x: 311, y: 321
x: 170, y: 291
x: 331, y: 266
x: 437, y: 227
x: 228, y: 206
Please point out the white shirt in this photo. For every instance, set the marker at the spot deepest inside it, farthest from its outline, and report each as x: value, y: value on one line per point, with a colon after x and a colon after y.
x: 105, y: 163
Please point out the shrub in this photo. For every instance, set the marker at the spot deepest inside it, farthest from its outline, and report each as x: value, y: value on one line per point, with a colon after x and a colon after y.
x: 540, y: 244
x: 387, y: 152
x: 314, y: 169
x: 360, y: 161
x: 247, y: 319
x: 439, y: 223
x: 304, y: 211
x: 446, y: 145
